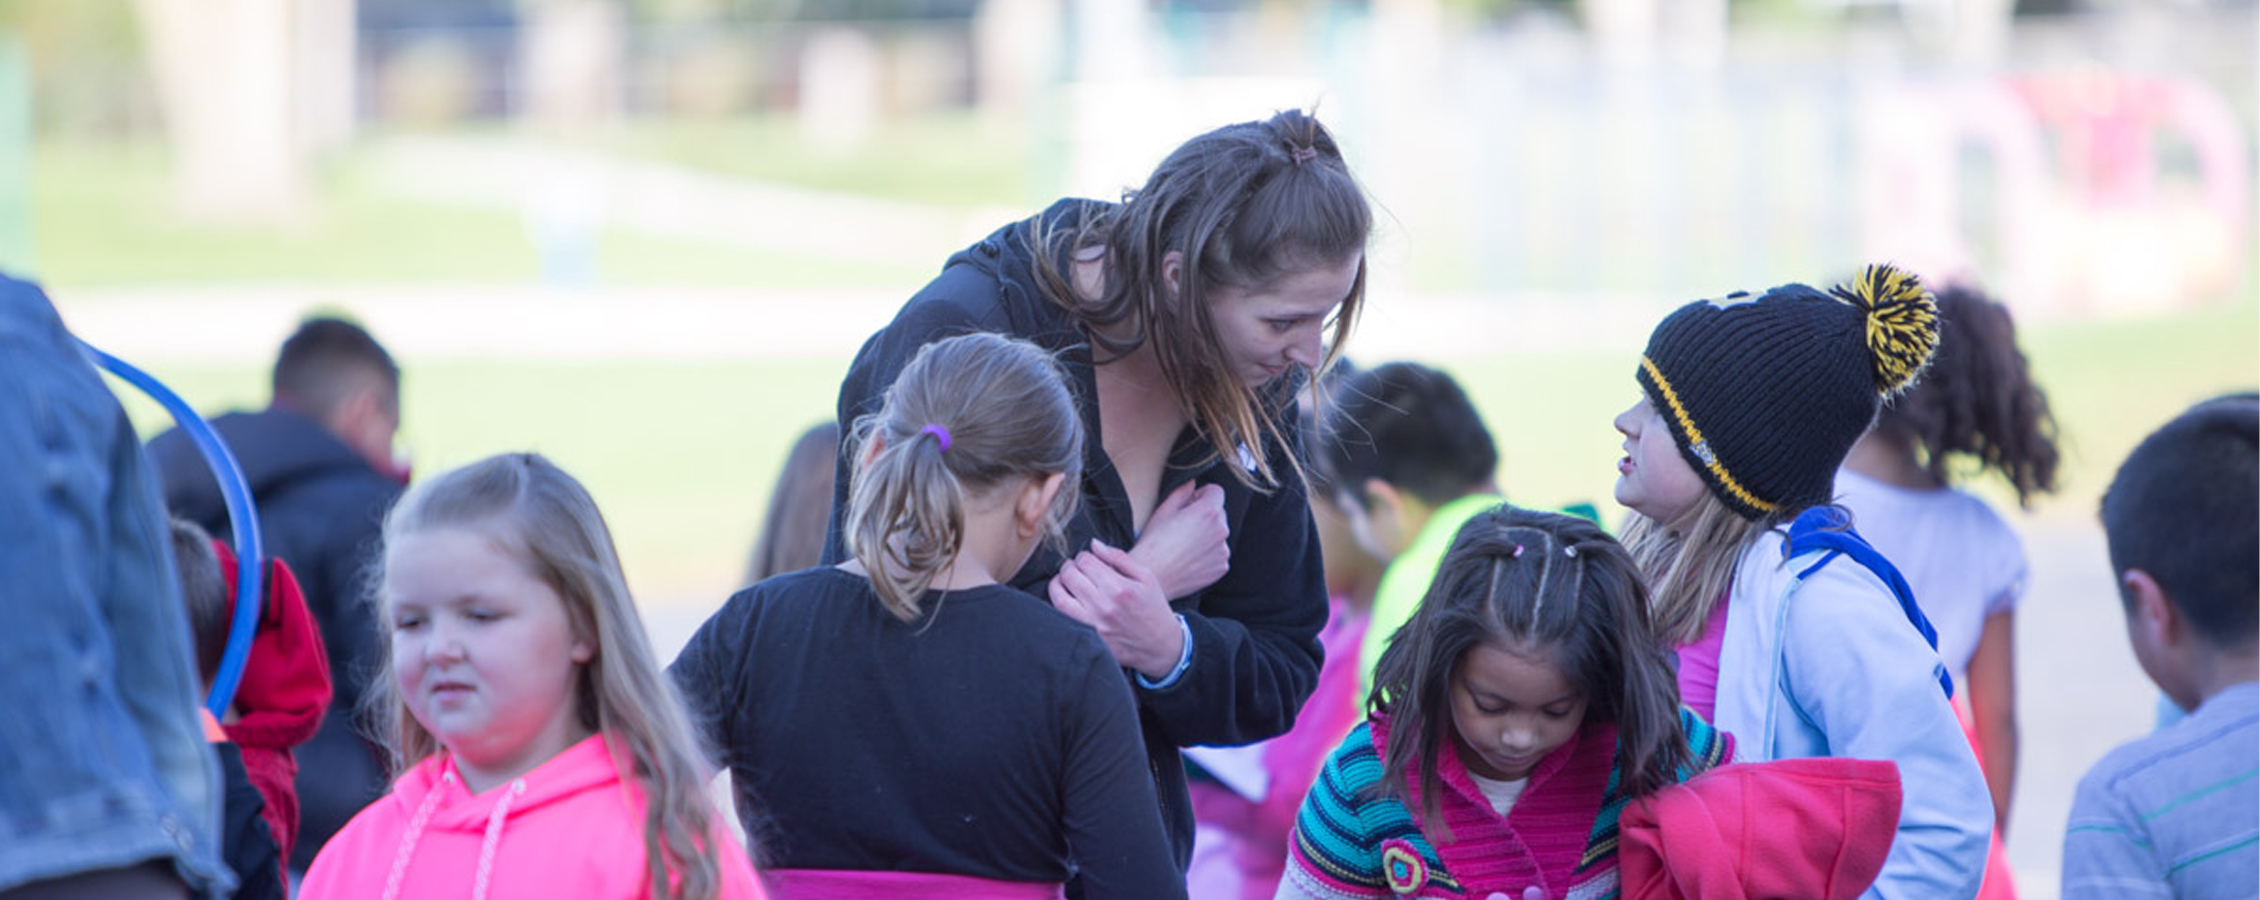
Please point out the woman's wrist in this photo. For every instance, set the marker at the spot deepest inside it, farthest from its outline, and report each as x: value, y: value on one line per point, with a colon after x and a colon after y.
x: 1183, y: 661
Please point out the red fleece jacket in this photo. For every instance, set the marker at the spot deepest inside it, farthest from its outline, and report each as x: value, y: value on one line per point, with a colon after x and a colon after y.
x: 285, y: 689
x: 1792, y: 829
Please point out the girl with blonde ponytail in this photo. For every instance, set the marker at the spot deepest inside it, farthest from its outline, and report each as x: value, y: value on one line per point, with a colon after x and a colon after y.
x: 905, y: 723
x: 1792, y: 633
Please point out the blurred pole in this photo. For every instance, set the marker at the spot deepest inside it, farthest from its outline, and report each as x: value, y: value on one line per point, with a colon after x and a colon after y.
x: 1113, y: 40
x: 15, y: 157
x: 842, y: 74
x: 575, y: 61
x: 1981, y: 31
x: 1623, y: 31
x: 225, y: 83
x: 1016, y: 53
x: 326, y: 56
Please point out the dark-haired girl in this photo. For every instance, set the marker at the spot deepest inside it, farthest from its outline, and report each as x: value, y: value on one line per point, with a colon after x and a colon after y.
x: 1977, y: 403
x: 1511, y: 719
x: 1187, y: 314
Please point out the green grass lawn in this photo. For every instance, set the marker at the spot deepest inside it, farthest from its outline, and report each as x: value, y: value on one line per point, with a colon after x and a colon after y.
x: 682, y: 455
x: 101, y: 214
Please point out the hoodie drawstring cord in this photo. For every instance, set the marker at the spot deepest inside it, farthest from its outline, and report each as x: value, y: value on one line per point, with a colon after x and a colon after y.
x: 409, y: 837
x: 494, y: 837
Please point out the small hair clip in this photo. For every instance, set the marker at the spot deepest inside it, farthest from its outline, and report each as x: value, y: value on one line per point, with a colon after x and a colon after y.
x: 1518, y: 551
x: 1302, y: 154
x: 941, y: 435
x: 1570, y: 552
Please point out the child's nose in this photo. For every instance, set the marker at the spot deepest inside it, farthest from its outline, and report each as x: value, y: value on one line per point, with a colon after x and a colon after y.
x: 1626, y: 421
x: 443, y: 647
x: 1517, y: 737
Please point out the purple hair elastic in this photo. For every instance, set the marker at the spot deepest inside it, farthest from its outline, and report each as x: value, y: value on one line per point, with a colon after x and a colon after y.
x: 941, y: 435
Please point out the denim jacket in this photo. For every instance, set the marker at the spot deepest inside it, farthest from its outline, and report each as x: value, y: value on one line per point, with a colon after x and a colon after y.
x: 102, y: 761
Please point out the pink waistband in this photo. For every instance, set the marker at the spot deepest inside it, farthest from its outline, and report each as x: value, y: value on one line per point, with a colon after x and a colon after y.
x: 850, y: 884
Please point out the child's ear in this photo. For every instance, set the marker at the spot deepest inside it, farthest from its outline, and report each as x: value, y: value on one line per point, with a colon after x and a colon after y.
x: 1383, y: 504
x: 1172, y: 271
x: 1376, y: 516
x: 2152, y: 611
x: 1035, y: 500
x: 871, y: 449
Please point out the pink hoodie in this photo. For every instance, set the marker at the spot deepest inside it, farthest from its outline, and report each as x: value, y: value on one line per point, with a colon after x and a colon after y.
x: 569, y: 828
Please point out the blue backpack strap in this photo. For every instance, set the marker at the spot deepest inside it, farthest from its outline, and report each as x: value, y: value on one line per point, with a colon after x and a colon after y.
x: 1829, y: 528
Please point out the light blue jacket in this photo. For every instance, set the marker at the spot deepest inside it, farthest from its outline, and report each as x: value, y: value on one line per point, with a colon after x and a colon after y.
x: 102, y: 762
x: 1828, y: 665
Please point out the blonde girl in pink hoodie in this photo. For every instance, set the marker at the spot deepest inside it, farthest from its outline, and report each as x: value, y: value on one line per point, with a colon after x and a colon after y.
x: 541, y: 752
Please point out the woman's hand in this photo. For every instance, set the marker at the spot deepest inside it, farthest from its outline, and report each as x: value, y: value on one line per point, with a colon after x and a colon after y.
x: 1184, y: 541
x: 1115, y: 594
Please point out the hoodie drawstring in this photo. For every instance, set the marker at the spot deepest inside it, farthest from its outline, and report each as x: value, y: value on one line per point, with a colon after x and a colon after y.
x: 494, y: 837
x: 409, y: 837
x: 415, y: 832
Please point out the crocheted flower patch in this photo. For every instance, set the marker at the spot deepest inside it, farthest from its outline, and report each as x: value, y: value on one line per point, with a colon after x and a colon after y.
x: 1403, y: 867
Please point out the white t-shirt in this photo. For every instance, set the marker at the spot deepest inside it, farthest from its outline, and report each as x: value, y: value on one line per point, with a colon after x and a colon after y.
x: 1502, y: 794
x: 1961, y: 558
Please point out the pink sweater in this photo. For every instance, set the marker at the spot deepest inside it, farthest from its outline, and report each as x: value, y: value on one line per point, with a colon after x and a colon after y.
x: 569, y: 828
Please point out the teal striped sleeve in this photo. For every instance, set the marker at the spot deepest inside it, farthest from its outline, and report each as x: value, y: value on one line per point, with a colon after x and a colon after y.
x: 1707, y: 747
x: 1335, y: 851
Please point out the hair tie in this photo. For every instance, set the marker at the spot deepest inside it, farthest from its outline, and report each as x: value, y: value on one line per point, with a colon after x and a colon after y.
x: 1302, y: 154
x: 1518, y: 551
x: 941, y: 435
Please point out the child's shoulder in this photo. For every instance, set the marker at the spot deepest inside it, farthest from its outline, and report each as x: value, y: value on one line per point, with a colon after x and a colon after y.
x: 362, y: 848
x: 1352, y: 771
x: 2223, y: 733
x: 1356, y: 748
x: 1348, y: 785
x: 1767, y: 569
x: 812, y: 580
x: 1708, y: 747
x: 798, y: 593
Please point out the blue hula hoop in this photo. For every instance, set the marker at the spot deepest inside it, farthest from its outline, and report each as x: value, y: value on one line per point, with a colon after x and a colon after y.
x: 243, y: 520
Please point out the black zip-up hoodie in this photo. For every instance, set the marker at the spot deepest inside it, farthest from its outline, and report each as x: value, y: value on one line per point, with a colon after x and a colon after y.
x: 1255, y: 631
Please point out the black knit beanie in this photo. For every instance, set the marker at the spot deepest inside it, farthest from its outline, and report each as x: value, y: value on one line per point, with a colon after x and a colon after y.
x: 1765, y: 395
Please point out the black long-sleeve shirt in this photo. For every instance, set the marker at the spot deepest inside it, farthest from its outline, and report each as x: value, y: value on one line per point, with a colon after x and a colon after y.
x: 993, y: 738
x: 1255, y: 631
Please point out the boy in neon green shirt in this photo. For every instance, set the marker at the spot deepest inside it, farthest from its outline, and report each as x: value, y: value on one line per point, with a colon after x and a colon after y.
x: 1410, y: 461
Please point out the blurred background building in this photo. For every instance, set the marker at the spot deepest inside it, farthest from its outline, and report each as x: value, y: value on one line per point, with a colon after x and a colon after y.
x: 2079, y: 155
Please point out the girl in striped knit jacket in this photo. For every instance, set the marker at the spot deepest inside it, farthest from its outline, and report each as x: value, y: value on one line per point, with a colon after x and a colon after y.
x: 1511, y: 719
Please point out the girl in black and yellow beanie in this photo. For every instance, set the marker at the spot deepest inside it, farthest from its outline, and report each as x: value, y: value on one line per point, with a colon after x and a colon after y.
x: 1748, y: 405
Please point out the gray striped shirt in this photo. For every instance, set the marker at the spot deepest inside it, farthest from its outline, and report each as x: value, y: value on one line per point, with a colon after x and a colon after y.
x: 2175, y: 814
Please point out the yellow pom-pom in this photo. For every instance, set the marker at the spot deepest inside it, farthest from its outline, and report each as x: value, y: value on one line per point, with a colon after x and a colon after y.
x: 1902, y: 323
